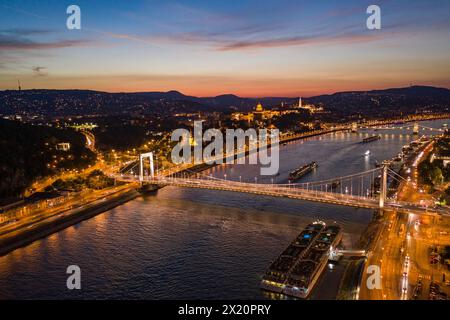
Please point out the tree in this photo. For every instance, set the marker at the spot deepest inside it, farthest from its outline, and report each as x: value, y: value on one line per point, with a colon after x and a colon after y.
x: 436, y: 176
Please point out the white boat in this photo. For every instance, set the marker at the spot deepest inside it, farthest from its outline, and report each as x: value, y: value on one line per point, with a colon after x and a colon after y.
x: 367, y: 153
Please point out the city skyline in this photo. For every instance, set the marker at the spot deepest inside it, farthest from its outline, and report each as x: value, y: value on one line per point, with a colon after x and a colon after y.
x: 199, y: 48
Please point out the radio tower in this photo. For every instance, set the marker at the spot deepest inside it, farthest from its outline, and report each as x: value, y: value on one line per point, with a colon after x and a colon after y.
x: 18, y: 82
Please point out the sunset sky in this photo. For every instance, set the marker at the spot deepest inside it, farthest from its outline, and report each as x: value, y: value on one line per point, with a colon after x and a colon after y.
x: 205, y: 48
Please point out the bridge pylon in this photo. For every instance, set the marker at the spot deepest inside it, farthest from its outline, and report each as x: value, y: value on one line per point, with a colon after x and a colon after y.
x: 383, y: 185
x: 143, y: 156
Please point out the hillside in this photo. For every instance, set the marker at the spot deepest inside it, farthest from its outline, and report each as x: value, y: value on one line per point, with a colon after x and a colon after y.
x: 52, y: 103
x: 29, y: 152
x: 388, y: 102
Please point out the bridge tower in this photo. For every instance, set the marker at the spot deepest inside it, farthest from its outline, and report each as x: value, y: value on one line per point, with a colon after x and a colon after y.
x: 143, y: 156
x: 354, y: 127
x: 383, y: 185
x: 416, y: 128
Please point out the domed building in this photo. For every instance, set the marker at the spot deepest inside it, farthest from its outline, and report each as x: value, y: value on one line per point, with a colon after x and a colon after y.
x: 258, y: 114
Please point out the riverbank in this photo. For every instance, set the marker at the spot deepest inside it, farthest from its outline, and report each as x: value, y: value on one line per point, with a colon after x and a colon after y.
x: 351, y: 281
x: 57, y: 223
x: 370, y: 241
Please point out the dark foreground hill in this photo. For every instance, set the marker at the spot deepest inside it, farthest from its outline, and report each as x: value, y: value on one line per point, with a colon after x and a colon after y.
x: 29, y: 152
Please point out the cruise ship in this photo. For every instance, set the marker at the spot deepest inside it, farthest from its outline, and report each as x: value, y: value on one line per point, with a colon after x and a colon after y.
x: 299, y: 266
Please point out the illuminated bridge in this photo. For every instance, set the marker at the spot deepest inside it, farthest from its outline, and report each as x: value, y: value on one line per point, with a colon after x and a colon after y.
x: 367, y: 189
x: 415, y: 127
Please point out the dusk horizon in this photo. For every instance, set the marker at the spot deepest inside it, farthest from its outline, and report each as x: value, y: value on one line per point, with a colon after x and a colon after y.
x: 228, y: 93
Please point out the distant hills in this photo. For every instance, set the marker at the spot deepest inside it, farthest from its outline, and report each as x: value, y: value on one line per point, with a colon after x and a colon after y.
x: 394, y: 101
x: 413, y: 91
x: 87, y: 102
x: 219, y: 102
x: 418, y: 91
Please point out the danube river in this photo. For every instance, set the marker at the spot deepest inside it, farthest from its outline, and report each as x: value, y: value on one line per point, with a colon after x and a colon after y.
x: 199, y: 244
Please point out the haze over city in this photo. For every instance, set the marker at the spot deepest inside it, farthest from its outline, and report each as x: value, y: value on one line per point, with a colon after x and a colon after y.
x: 206, y: 48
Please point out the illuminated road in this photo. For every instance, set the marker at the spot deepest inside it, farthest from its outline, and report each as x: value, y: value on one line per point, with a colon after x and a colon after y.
x: 90, y: 140
x: 72, y: 206
x: 403, y: 248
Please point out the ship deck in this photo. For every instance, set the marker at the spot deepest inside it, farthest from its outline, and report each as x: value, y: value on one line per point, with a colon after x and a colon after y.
x: 299, y: 266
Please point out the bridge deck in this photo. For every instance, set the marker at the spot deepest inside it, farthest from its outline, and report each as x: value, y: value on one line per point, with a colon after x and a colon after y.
x: 294, y: 193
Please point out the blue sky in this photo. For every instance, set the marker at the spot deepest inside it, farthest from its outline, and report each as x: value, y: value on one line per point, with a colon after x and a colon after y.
x: 251, y: 48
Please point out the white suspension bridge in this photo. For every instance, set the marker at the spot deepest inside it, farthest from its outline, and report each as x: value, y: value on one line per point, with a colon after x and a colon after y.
x: 368, y: 189
x: 415, y: 127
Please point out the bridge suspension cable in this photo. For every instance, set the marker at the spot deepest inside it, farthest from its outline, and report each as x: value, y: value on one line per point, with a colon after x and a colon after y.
x: 356, y: 185
x: 357, y: 190
x: 396, y: 176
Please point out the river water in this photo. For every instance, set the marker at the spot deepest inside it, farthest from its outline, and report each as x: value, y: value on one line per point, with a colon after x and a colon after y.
x: 199, y: 244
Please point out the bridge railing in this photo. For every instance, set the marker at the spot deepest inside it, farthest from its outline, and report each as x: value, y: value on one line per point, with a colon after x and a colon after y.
x: 262, y: 188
